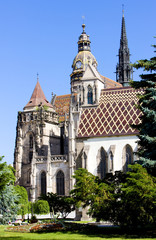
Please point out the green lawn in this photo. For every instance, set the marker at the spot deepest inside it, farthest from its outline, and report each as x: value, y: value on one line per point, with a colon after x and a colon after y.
x: 61, y: 236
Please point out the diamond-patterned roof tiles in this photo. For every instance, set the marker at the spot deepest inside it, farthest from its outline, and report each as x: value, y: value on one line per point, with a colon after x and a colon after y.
x: 113, y: 116
x: 62, y: 104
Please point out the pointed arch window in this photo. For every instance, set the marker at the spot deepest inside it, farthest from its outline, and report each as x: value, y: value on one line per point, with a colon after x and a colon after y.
x: 128, y: 157
x: 43, y: 183
x: 60, y: 188
x: 30, y: 141
x: 90, y: 95
x: 85, y: 160
x: 30, y: 156
x: 28, y: 176
x: 111, y: 161
x: 103, y: 164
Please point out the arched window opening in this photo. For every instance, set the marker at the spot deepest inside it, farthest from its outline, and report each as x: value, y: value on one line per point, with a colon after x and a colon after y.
x: 28, y: 176
x: 129, y: 156
x: 60, y: 183
x: 111, y: 161
x: 30, y: 156
x: 31, y: 141
x: 103, y: 164
x: 85, y: 160
x: 90, y: 95
x: 43, y: 183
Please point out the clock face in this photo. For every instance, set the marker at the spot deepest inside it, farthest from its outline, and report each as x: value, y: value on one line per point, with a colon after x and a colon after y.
x: 78, y: 64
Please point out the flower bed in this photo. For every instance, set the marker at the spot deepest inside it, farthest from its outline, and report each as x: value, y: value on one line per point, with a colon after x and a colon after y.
x: 44, y: 227
x: 22, y: 228
x: 50, y: 227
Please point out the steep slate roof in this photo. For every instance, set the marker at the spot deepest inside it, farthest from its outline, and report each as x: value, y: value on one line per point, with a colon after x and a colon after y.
x: 113, y: 116
x: 37, y: 98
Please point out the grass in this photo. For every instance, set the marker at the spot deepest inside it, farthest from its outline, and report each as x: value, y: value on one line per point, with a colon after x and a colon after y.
x: 101, y: 234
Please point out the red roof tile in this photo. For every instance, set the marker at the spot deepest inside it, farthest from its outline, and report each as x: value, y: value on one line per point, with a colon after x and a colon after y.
x: 37, y: 98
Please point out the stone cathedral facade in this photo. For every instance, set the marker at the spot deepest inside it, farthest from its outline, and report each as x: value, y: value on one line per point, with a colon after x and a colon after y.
x: 88, y: 128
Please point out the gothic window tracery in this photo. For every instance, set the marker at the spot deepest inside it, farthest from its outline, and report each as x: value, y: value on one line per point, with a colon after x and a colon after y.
x: 43, y: 183
x: 90, y: 95
x: 60, y: 187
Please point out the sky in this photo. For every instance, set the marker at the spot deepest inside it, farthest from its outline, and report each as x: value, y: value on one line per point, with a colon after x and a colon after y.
x: 40, y: 36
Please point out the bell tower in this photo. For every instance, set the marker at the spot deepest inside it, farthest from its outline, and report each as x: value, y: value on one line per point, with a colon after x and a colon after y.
x: 86, y: 82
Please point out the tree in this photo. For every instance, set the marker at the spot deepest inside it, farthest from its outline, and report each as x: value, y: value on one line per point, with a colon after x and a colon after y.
x: 22, y: 200
x: 8, y: 204
x: 126, y: 199
x: 41, y: 207
x: 8, y: 196
x: 134, y: 202
x: 90, y: 191
x: 6, y: 174
x: 59, y: 204
x: 147, y: 105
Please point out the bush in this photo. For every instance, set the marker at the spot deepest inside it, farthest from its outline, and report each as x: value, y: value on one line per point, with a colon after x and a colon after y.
x: 41, y: 207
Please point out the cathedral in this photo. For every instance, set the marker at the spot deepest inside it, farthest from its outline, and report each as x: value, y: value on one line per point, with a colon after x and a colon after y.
x: 88, y: 128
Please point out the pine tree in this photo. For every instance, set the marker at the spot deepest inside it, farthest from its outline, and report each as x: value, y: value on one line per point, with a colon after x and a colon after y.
x: 8, y: 204
x: 147, y: 105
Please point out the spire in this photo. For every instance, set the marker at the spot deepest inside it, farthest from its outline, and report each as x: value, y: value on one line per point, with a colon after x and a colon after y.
x: 124, y: 70
x: 37, y: 98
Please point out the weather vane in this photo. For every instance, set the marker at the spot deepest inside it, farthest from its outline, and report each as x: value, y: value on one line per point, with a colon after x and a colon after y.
x: 83, y: 18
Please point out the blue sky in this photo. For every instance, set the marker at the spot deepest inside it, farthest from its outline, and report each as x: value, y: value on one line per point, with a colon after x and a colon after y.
x: 41, y: 36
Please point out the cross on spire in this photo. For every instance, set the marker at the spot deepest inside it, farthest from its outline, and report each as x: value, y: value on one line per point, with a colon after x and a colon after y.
x: 37, y: 77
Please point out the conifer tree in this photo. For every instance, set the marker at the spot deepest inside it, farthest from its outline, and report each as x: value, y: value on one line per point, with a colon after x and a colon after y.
x: 147, y: 105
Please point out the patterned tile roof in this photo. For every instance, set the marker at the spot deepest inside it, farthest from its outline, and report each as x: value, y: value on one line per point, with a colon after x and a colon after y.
x: 62, y: 104
x: 113, y: 116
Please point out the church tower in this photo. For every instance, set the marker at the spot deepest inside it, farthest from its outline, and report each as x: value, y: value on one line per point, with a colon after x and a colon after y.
x: 124, y: 71
x: 40, y: 152
x: 86, y: 82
